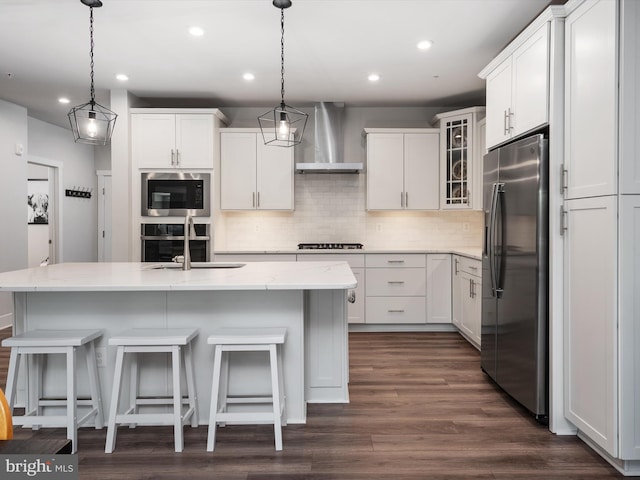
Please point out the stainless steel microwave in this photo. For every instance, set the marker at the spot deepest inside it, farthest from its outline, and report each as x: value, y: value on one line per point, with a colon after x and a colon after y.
x: 175, y: 194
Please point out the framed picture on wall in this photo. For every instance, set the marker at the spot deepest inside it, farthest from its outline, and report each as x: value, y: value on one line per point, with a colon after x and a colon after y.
x: 38, y: 201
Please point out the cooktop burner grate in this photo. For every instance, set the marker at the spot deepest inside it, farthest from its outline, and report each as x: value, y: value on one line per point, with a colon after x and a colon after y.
x: 330, y: 246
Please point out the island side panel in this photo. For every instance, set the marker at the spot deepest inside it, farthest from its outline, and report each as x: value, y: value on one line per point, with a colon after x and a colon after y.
x: 249, y: 372
x: 327, y: 348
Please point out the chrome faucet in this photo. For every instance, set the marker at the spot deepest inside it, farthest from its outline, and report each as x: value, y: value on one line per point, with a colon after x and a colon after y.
x: 189, y: 234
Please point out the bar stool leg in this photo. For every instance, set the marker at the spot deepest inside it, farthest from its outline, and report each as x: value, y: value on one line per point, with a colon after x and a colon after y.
x: 12, y: 377
x: 72, y: 406
x: 133, y: 385
x: 283, y: 397
x: 96, y: 399
x: 275, y: 391
x: 215, y: 386
x: 191, y: 384
x: 115, y: 396
x: 177, y: 399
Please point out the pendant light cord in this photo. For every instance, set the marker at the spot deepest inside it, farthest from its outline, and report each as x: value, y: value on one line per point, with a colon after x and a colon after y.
x: 282, y: 54
x: 93, y: 91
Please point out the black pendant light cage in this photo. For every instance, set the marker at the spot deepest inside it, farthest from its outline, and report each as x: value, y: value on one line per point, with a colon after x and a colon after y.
x: 284, y: 125
x: 92, y: 123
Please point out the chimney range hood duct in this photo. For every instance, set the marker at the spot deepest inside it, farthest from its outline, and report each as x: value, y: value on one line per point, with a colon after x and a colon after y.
x: 328, y: 142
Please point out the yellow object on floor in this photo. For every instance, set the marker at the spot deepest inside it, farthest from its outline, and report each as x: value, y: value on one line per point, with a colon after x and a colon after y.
x: 6, y: 425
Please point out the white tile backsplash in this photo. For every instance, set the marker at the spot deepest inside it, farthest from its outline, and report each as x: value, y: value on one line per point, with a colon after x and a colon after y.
x: 331, y: 208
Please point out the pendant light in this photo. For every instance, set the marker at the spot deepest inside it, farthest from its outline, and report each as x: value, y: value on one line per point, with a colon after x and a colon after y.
x: 91, y: 122
x: 284, y: 125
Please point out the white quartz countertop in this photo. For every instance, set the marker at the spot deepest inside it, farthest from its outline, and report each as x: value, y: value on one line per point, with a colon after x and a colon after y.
x: 91, y: 277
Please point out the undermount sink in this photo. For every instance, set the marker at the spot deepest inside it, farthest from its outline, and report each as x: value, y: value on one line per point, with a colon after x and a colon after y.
x: 194, y: 265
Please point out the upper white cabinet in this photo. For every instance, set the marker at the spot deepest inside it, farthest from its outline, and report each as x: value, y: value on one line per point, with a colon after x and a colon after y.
x: 172, y: 140
x: 518, y: 89
x: 254, y: 176
x: 460, y: 159
x: 402, y: 169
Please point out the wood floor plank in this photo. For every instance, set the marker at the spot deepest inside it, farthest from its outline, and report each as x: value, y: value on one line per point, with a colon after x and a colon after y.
x: 420, y: 408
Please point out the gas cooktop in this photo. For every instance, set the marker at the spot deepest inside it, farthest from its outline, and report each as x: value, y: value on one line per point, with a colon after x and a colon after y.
x: 330, y: 246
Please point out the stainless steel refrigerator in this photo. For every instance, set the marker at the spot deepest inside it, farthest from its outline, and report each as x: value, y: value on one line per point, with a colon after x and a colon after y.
x: 515, y: 271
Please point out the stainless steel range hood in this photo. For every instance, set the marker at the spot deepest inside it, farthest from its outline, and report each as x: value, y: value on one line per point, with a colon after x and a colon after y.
x: 328, y: 140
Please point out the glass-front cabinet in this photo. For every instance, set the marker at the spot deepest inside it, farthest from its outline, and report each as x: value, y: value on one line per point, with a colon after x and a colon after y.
x: 461, y: 158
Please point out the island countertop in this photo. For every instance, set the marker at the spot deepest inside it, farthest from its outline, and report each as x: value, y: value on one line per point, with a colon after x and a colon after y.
x: 131, y: 276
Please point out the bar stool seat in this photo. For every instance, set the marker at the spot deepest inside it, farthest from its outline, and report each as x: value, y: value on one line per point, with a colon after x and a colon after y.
x: 246, y: 340
x: 177, y: 342
x: 67, y: 342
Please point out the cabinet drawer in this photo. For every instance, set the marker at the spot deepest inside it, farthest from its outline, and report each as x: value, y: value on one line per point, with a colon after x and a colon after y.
x: 353, y: 259
x: 383, y: 282
x: 396, y: 260
x: 467, y: 265
x: 396, y: 310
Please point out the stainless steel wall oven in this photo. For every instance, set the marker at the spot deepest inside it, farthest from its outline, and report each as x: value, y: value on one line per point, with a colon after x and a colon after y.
x: 161, y: 242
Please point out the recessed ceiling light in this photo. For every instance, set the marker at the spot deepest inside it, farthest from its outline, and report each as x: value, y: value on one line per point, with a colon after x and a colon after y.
x: 425, y: 45
x: 196, y: 31
x: 63, y: 100
x: 122, y: 77
x: 249, y: 76
x: 374, y: 77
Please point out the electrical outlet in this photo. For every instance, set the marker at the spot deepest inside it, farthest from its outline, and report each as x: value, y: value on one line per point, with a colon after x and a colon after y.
x: 101, y: 356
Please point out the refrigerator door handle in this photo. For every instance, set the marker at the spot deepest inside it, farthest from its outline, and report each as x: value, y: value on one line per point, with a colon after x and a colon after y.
x: 498, y: 267
x: 491, y: 238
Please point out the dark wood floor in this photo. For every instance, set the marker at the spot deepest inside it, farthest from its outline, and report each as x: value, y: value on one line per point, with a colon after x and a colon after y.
x: 420, y: 409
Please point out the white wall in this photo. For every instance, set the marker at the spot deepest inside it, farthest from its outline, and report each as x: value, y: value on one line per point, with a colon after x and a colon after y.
x: 79, y: 228
x: 13, y: 197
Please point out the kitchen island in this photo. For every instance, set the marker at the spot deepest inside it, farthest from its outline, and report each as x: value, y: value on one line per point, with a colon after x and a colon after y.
x: 308, y: 298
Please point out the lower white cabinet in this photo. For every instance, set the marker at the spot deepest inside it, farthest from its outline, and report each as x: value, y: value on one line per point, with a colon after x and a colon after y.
x: 396, y: 288
x: 439, y: 288
x: 467, y: 297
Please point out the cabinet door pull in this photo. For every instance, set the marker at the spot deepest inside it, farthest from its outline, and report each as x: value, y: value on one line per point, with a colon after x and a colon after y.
x: 456, y: 266
x: 505, y: 127
x: 564, y: 184
x: 177, y: 157
x: 402, y: 199
x: 173, y: 162
x: 406, y: 199
x: 472, y: 267
x: 258, y: 199
x: 396, y: 311
x: 563, y: 220
x: 395, y: 282
x: 253, y: 201
x: 395, y: 261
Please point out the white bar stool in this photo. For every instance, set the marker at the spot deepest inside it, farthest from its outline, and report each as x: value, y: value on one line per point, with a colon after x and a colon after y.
x: 44, y: 342
x: 177, y: 342
x: 246, y: 340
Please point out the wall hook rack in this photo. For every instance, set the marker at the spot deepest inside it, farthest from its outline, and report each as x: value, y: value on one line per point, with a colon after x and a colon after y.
x: 78, y: 193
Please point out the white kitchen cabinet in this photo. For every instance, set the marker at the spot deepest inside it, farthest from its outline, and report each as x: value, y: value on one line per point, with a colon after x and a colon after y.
x: 460, y: 159
x: 172, y: 140
x: 518, y: 89
x: 356, y: 296
x: 602, y: 229
x: 254, y: 176
x: 395, y: 288
x: 402, y: 169
x: 590, y: 101
x: 255, y: 257
x: 467, y: 298
x: 439, y: 288
x: 590, y: 319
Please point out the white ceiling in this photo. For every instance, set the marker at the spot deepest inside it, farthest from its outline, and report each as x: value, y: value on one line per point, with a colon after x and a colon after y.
x: 331, y: 46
